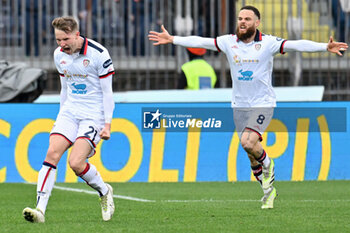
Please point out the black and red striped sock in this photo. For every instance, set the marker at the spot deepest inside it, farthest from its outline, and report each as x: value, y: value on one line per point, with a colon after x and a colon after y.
x: 264, y: 159
x: 257, y: 171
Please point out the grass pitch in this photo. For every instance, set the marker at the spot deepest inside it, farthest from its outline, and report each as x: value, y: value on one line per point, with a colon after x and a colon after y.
x: 308, y: 206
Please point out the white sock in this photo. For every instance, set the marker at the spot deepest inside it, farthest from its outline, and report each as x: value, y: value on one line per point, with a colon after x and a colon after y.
x: 46, y: 181
x: 93, y: 178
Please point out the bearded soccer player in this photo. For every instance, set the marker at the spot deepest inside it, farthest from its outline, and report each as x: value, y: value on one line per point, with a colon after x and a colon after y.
x: 250, y: 55
x: 86, y: 109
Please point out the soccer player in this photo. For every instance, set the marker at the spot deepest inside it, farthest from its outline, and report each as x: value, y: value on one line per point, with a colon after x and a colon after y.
x: 250, y: 55
x: 86, y: 109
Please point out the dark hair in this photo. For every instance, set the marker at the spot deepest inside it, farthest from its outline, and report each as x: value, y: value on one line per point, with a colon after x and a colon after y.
x: 256, y: 11
x: 67, y: 24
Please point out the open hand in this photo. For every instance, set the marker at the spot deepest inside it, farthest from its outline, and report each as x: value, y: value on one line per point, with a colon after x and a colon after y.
x: 336, y: 47
x: 161, y: 37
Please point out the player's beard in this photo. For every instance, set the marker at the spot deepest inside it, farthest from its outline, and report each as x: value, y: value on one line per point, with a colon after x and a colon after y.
x: 244, y: 36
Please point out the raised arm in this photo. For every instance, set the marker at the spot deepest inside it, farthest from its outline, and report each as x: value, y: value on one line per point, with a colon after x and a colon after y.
x: 311, y: 46
x: 187, y: 41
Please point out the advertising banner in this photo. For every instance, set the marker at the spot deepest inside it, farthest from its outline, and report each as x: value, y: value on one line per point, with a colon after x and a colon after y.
x: 184, y: 142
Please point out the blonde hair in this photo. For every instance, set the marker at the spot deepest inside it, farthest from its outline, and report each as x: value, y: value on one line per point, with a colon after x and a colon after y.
x: 67, y: 24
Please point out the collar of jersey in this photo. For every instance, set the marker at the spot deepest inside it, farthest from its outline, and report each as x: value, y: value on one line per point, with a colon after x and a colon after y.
x: 258, y: 36
x: 84, y: 47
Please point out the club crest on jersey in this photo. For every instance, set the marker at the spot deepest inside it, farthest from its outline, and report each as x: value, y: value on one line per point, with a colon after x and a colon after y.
x: 258, y: 47
x: 86, y: 62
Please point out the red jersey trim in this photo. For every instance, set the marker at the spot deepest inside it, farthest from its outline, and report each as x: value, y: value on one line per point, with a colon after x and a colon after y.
x: 85, y: 46
x: 106, y: 75
x: 282, y: 47
x: 82, y: 137
x: 260, y: 137
x: 216, y: 45
x: 62, y: 136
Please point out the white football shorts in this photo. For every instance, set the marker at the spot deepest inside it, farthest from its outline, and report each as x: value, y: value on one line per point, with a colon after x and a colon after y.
x: 72, y: 129
x: 255, y: 119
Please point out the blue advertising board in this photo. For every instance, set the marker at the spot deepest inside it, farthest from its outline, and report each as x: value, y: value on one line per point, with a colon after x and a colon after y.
x: 183, y: 142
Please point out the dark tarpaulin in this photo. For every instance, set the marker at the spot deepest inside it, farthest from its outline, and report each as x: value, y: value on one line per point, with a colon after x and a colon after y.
x: 20, y: 83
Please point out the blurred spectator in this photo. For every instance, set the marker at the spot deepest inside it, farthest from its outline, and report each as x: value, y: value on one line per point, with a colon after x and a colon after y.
x: 197, y: 73
x: 32, y: 37
x: 338, y: 20
x: 135, y: 25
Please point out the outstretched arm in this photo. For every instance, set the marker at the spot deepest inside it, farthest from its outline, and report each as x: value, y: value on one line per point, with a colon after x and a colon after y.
x: 311, y: 46
x: 187, y: 41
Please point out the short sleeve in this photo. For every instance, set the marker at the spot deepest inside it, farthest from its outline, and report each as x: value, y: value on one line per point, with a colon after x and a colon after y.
x: 57, y: 61
x: 105, y: 66
x: 276, y: 44
x: 221, y: 42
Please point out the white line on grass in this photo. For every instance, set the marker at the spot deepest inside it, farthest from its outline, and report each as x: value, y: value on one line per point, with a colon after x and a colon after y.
x: 210, y: 200
x: 182, y: 201
x: 94, y: 193
x: 249, y: 200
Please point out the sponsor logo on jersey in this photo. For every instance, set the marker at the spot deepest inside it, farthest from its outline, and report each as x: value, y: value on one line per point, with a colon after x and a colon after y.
x: 107, y: 63
x: 69, y: 75
x: 246, y: 75
x: 258, y: 47
x: 237, y: 59
x: 86, y: 62
x: 278, y: 39
x: 250, y: 60
x: 63, y: 62
x: 79, y: 88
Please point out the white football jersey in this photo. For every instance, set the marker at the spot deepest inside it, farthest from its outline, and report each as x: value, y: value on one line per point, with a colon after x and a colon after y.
x: 82, y: 72
x: 251, y: 67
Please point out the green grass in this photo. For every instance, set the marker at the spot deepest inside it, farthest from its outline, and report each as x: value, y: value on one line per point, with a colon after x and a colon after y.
x: 307, y: 206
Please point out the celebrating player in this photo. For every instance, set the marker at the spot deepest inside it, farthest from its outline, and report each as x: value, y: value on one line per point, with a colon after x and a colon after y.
x: 86, y: 109
x: 250, y: 55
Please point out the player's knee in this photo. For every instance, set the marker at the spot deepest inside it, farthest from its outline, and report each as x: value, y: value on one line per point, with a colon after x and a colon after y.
x: 247, y: 145
x: 76, y: 165
x: 53, y: 155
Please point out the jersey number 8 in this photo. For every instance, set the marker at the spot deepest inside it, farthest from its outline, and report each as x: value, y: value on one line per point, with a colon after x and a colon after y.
x: 260, y: 119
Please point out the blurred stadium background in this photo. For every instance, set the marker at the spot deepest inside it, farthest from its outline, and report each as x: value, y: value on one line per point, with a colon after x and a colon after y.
x: 122, y: 26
